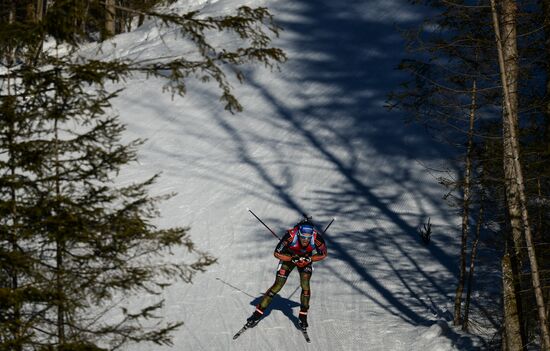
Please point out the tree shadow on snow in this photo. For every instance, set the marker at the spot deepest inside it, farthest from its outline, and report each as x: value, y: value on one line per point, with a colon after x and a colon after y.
x: 341, y: 70
x: 347, y: 59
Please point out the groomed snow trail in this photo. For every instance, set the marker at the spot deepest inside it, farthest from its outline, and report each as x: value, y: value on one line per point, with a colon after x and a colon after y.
x: 314, y: 137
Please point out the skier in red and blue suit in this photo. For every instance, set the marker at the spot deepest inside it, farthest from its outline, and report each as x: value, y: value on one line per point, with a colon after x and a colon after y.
x: 300, y: 247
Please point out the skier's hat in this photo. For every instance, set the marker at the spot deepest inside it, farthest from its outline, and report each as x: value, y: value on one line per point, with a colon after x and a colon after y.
x: 305, y: 231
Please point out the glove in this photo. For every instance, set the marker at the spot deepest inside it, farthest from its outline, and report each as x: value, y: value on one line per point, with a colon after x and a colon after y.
x: 301, y: 261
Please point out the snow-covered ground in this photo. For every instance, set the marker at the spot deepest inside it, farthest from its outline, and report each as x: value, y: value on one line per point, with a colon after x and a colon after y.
x: 314, y: 137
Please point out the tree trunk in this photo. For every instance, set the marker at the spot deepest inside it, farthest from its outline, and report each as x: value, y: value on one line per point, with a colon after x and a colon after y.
x: 504, y: 344
x: 510, y: 118
x: 110, y: 18
x: 465, y: 212
x: 12, y: 11
x: 511, y: 316
x: 39, y: 14
x: 12, y: 236
x: 546, y: 15
x: 60, y: 249
x: 60, y: 292
x: 510, y: 52
x: 470, y: 282
x: 141, y: 20
x: 10, y: 52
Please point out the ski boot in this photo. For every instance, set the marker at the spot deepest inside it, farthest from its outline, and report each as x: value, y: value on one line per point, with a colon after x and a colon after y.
x: 254, y: 319
x: 302, y: 320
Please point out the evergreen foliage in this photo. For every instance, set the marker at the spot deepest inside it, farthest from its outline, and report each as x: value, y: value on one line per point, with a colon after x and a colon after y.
x: 72, y: 240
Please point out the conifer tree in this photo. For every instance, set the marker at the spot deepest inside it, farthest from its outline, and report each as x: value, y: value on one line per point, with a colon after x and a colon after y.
x: 71, y: 239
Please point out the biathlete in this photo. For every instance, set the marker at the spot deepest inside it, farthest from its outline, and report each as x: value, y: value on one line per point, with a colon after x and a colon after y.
x: 300, y: 247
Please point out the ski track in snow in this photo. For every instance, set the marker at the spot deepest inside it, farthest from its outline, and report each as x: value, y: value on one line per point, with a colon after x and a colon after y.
x: 315, y: 138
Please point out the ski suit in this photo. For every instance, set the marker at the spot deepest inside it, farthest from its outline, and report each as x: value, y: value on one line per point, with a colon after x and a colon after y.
x: 290, y: 247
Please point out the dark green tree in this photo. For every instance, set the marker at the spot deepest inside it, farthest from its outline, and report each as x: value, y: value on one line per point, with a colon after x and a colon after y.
x: 71, y: 239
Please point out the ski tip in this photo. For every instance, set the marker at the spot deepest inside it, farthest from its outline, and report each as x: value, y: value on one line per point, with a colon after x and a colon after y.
x: 306, y: 335
x: 248, y: 209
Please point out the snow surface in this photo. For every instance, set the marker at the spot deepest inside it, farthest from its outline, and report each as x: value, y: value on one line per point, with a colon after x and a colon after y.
x: 314, y: 137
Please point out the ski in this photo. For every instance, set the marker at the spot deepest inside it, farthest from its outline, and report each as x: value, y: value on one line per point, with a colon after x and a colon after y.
x: 305, y: 334
x: 240, y: 332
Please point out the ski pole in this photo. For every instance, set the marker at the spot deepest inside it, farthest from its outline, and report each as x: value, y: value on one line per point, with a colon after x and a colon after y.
x: 265, y: 225
x: 328, y: 225
x: 234, y: 287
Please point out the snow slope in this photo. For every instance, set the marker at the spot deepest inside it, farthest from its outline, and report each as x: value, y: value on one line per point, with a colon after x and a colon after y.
x: 313, y: 138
